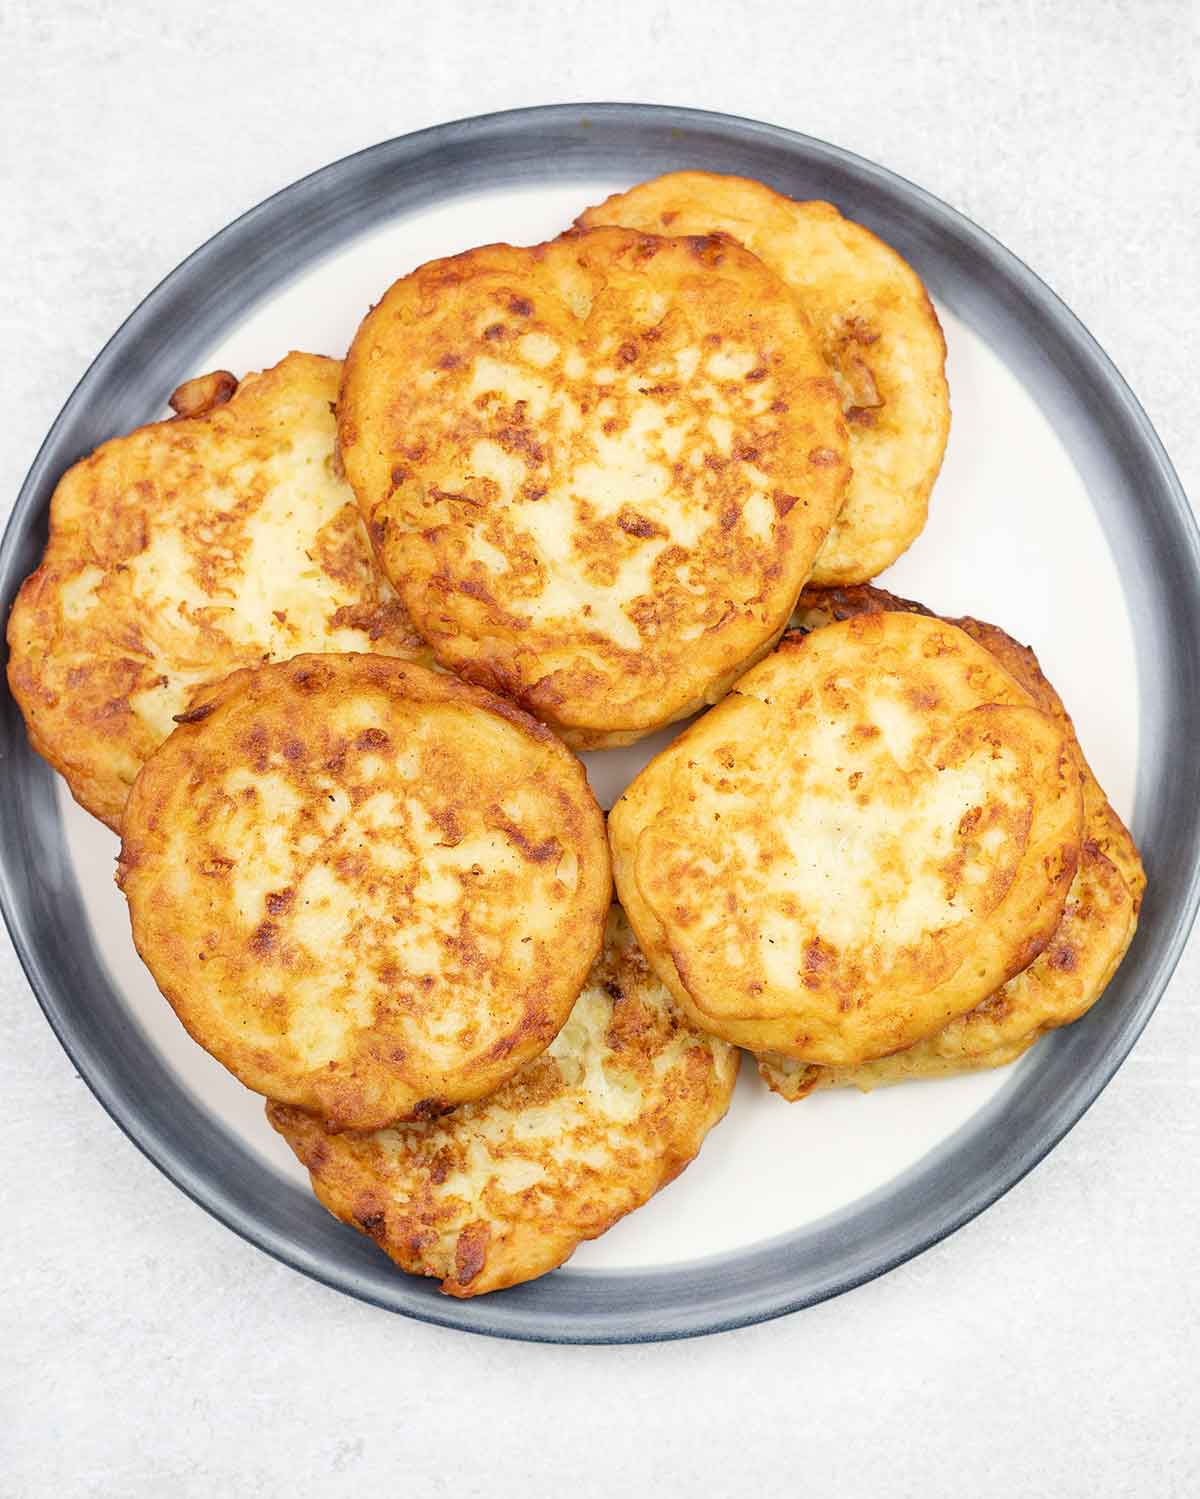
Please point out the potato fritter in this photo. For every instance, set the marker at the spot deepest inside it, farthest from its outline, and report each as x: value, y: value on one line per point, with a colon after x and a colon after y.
x: 182, y: 551
x: 368, y: 889
x: 874, y: 831
x: 503, y: 1190
x: 597, y: 471
x: 878, y: 331
x: 1069, y: 976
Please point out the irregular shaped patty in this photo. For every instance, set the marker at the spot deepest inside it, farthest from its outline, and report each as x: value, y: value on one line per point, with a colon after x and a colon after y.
x: 181, y: 552
x: 1070, y: 974
x: 368, y: 889
x: 874, y: 831
x: 878, y: 332
x: 505, y: 1189
x: 597, y: 470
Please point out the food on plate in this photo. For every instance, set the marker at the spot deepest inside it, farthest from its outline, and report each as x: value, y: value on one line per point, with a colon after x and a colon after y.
x: 368, y: 889
x: 191, y: 547
x: 878, y: 332
x: 321, y: 647
x: 870, y: 835
x: 1071, y: 972
x: 504, y: 1189
x: 596, y: 470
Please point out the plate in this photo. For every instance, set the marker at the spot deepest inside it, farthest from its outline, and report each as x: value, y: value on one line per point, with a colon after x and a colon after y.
x: 1057, y: 515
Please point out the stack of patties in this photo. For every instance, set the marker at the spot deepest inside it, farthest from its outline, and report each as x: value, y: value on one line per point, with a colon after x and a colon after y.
x: 505, y: 1189
x: 1072, y: 970
x: 876, y: 329
x: 377, y: 894
x: 323, y: 647
x: 598, y: 472
x: 187, y: 549
x: 883, y: 856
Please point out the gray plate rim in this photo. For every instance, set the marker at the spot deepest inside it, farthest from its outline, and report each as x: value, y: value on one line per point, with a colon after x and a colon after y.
x: 1110, y: 438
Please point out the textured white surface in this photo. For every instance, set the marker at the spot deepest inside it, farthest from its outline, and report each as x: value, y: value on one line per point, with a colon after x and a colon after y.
x: 1048, y: 1348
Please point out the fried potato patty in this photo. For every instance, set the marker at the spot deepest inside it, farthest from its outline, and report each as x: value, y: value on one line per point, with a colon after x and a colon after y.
x: 505, y: 1189
x: 878, y: 331
x: 183, y: 551
x: 597, y: 470
x: 874, y: 831
x: 1070, y: 974
x: 368, y: 889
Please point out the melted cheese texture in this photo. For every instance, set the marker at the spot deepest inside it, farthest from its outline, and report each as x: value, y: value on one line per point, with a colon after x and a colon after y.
x: 597, y: 470
x: 1070, y: 974
x: 181, y: 552
x: 504, y: 1189
x: 877, y: 329
x: 368, y: 889
x: 872, y: 833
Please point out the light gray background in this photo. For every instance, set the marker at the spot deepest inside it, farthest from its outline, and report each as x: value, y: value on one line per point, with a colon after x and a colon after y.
x: 1050, y: 1348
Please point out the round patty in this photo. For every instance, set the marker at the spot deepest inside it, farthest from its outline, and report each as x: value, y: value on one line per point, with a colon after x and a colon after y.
x: 597, y: 470
x: 873, y: 832
x: 181, y: 552
x: 878, y: 332
x: 368, y: 889
x: 1070, y: 974
x: 505, y: 1189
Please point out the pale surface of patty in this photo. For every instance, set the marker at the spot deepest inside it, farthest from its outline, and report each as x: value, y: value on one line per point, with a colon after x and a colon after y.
x: 1069, y: 976
x: 873, y: 832
x: 597, y: 470
x: 878, y: 332
x: 183, y: 551
x: 505, y: 1189
x: 367, y: 888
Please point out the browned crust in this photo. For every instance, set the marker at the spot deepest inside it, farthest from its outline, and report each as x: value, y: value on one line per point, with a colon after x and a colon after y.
x: 683, y: 827
x: 203, y: 394
x: 504, y: 1189
x: 1073, y: 970
x: 412, y: 424
x: 879, y: 334
x: 232, y: 945
x: 99, y: 682
x: 816, y: 606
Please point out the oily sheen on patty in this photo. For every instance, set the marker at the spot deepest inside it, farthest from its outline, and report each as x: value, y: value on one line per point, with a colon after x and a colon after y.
x: 1070, y: 974
x: 877, y: 330
x: 504, y: 1189
x: 368, y: 889
x: 597, y: 470
x: 872, y: 833
x: 183, y: 551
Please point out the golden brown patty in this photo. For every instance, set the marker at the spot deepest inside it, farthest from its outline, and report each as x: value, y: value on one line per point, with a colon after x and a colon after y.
x: 873, y: 832
x: 597, y: 470
x: 1067, y: 978
x: 878, y: 331
x: 505, y: 1189
x: 368, y: 889
x: 182, y: 551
